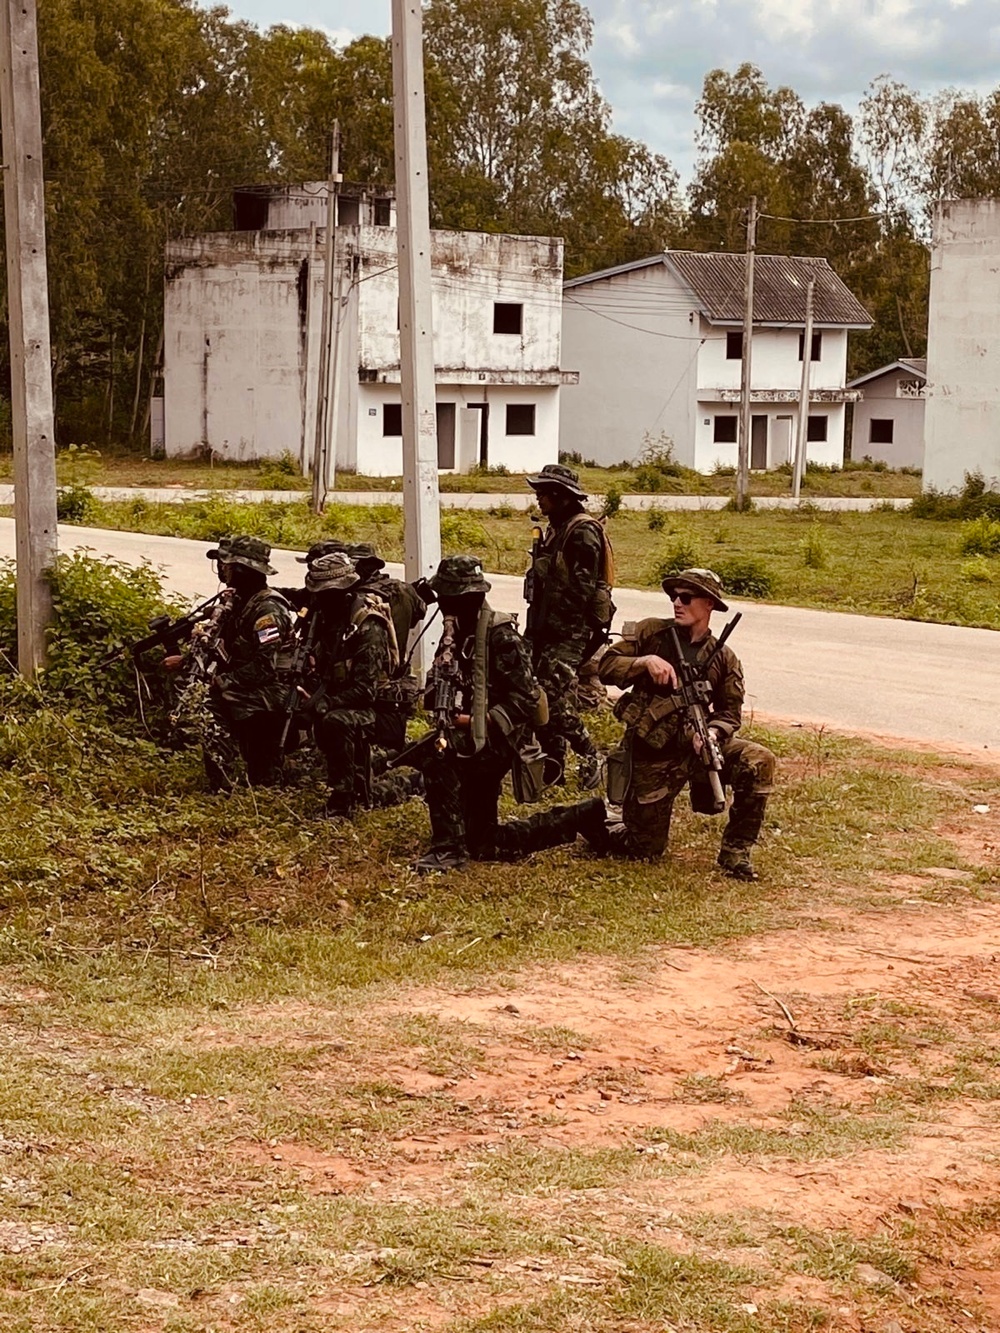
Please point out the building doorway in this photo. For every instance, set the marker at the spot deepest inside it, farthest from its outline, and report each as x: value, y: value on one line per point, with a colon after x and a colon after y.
x: 758, y: 443
x: 484, y: 431
x: 446, y: 436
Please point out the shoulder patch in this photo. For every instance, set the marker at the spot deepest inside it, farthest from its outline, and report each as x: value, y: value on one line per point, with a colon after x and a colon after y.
x: 266, y: 629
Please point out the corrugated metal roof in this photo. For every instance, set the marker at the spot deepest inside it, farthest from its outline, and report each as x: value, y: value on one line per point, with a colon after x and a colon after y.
x: 910, y: 365
x: 717, y: 281
x: 613, y: 272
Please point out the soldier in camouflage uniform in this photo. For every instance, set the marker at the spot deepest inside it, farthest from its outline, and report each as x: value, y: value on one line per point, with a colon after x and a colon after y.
x: 566, y: 571
x: 496, y: 703
x: 246, y: 693
x: 661, y: 750
x: 355, y: 655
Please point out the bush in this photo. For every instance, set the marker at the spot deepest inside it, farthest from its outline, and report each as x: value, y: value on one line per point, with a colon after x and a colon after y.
x: 972, y: 501
x: 612, y: 502
x: 977, y: 570
x: 656, y: 520
x: 675, y: 558
x: 980, y: 536
x: 743, y: 576
x: 490, y: 470
x: 657, y: 469
x: 75, y: 504
x: 726, y: 470
x: 813, y: 549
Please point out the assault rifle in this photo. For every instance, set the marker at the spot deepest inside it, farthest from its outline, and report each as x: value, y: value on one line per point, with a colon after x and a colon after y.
x: 443, y: 684
x: 528, y: 591
x: 191, y: 714
x: 695, y: 695
x: 166, y: 633
x: 302, y: 653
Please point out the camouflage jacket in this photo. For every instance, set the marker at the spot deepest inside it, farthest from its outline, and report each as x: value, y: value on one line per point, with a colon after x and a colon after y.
x: 254, y: 646
x: 650, y: 712
x: 512, y: 692
x: 355, y: 656
x: 567, y: 570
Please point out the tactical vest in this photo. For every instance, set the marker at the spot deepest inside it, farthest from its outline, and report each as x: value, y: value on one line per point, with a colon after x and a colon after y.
x: 339, y: 666
x: 551, y: 577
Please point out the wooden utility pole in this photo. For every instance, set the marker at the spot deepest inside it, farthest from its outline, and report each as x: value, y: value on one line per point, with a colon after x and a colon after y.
x: 746, y: 369
x: 421, y: 503
x: 28, y: 322
x: 802, y: 433
x: 325, y: 424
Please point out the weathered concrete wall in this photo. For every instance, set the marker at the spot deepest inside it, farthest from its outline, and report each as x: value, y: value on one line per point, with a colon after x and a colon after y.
x: 882, y: 401
x: 962, y: 422
x: 242, y: 320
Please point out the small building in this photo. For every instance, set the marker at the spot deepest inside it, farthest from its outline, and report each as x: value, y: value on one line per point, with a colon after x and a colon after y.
x: 659, y: 345
x: 243, y: 336
x: 962, y: 421
x: 888, y: 421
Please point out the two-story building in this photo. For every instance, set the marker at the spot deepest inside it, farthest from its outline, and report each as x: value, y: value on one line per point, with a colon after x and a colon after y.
x: 243, y: 334
x: 659, y: 344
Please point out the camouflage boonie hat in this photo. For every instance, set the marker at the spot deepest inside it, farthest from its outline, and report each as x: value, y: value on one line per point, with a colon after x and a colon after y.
x: 248, y: 551
x: 332, y: 572
x: 318, y: 549
x: 557, y: 474
x: 364, y: 553
x: 705, y: 582
x: 457, y: 575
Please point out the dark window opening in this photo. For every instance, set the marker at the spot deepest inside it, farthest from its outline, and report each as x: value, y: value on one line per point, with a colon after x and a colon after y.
x: 249, y: 210
x: 392, y: 418
x: 383, y: 212
x: 507, y: 316
x: 348, y: 211
x: 817, y: 346
x: 520, y: 418
x: 816, y: 429
x: 880, y: 430
x: 734, y: 346
x: 725, y: 430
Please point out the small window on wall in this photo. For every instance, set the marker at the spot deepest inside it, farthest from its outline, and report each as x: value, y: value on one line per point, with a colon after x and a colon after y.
x: 734, y: 346
x: 880, y: 430
x: 507, y: 316
x: 816, y: 430
x: 392, y: 418
x: 520, y: 418
x: 724, y: 431
x: 817, y: 346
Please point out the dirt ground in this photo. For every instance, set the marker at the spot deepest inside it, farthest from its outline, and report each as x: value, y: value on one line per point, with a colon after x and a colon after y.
x: 793, y: 1034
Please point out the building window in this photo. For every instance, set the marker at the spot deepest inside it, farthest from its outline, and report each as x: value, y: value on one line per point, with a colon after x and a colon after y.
x: 817, y: 346
x: 734, y: 346
x: 520, y: 418
x: 392, y: 418
x: 880, y: 430
x: 507, y: 316
x: 383, y: 212
x: 816, y: 429
x: 725, y: 430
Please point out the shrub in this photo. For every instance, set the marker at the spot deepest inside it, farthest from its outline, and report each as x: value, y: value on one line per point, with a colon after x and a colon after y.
x: 724, y: 470
x: 675, y: 558
x: 977, y: 570
x: 744, y: 576
x: 490, y: 470
x: 972, y: 501
x: 980, y: 536
x: 813, y: 549
x: 285, y: 466
x: 612, y: 502
x: 656, y: 520
x: 75, y: 504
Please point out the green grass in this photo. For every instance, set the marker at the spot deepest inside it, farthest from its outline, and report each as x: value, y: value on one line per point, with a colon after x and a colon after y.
x: 888, y: 564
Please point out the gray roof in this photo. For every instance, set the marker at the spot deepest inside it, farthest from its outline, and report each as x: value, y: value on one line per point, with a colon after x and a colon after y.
x: 909, y: 365
x: 716, y: 282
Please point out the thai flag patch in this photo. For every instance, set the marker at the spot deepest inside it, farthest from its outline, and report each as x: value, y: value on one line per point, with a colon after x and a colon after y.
x: 267, y: 630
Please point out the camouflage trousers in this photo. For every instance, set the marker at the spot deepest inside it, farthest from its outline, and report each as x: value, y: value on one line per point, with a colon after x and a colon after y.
x: 257, y: 737
x: 462, y: 798
x: 355, y: 772
x: 555, y: 669
x: 659, y: 776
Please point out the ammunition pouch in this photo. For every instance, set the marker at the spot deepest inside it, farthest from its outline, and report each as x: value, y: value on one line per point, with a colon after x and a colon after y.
x: 654, y: 720
x: 400, y: 695
x: 618, y: 773
x: 528, y: 775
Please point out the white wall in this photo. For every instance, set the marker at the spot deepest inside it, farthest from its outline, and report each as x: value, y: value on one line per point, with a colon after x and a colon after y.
x: 881, y: 400
x: 632, y: 339
x: 962, y: 419
x: 775, y: 363
x: 709, y: 454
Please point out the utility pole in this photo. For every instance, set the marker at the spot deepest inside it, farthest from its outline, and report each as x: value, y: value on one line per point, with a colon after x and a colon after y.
x: 802, y: 433
x: 746, y: 369
x: 325, y: 424
x: 421, y: 503
x: 28, y: 322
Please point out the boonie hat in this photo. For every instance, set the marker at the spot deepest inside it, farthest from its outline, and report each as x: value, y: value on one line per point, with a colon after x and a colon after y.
x: 557, y: 474
x: 249, y: 551
x: 365, y: 553
x: 320, y: 548
x: 331, y: 572
x: 457, y: 575
x: 703, y: 581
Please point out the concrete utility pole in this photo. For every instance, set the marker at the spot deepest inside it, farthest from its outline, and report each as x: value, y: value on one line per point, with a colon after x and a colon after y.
x: 746, y: 369
x: 325, y: 423
x: 802, y: 433
x: 421, y: 503
x: 28, y: 322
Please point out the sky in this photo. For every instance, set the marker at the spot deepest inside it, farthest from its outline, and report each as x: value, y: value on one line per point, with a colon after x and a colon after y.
x: 650, y: 56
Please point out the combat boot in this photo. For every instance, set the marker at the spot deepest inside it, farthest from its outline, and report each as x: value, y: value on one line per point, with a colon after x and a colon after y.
x: 736, y: 863
x: 588, y: 771
x: 746, y: 818
x: 439, y: 863
x: 592, y: 823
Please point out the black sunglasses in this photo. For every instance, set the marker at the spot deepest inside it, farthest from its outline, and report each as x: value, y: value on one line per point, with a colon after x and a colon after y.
x: 685, y: 598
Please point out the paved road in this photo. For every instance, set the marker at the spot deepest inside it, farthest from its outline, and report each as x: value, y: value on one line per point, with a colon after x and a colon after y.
x: 931, y: 683
x: 520, y: 499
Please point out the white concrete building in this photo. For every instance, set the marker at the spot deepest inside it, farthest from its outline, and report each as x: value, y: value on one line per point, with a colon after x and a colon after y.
x: 962, y: 420
x: 888, y: 418
x: 658, y: 344
x: 242, y: 338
